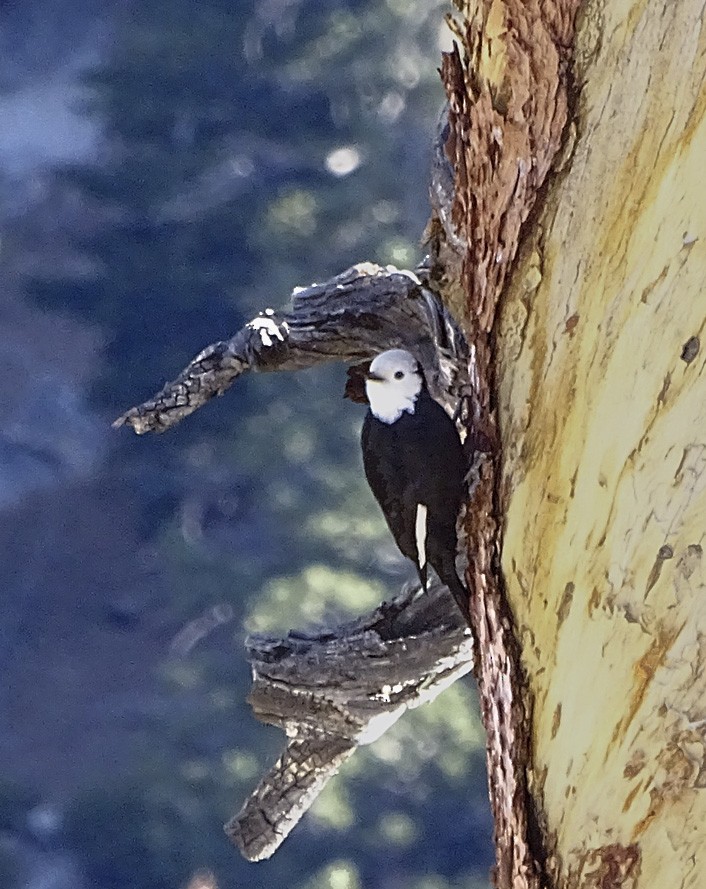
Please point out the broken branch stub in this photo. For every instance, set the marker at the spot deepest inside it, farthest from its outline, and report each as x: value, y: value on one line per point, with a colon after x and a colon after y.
x: 350, y: 317
x: 336, y: 690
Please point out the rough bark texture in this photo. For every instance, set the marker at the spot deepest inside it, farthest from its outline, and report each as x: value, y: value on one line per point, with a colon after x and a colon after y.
x: 602, y: 381
x: 336, y: 690
x: 359, y: 313
x: 345, y: 687
x: 508, y: 93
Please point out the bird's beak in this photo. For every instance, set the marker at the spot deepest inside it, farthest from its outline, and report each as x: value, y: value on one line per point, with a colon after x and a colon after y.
x: 374, y: 377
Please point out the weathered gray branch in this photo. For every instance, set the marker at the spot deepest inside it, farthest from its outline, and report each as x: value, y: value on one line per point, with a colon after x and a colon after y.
x: 337, y: 690
x: 360, y: 312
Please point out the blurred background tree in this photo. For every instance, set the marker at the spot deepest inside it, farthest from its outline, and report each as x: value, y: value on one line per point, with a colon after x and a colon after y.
x: 241, y: 149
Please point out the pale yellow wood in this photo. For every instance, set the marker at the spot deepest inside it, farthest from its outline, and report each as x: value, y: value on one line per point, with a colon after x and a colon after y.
x: 604, y: 436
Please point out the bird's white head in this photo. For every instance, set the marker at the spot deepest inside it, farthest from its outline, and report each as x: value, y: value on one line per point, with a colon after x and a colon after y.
x: 393, y: 384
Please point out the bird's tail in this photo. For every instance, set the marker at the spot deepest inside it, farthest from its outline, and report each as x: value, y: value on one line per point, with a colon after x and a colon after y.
x: 445, y: 567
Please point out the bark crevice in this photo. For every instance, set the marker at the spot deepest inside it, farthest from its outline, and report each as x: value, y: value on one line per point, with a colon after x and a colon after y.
x: 508, y: 84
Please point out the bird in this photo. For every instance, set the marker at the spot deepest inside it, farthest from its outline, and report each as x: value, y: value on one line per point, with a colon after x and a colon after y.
x: 414, y: 464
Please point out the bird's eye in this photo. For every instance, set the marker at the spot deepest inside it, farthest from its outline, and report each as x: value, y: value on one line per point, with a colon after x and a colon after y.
x: 399, y: 374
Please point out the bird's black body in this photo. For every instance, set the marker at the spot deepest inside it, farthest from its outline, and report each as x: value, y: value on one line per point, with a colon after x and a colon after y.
x: 419, y: 459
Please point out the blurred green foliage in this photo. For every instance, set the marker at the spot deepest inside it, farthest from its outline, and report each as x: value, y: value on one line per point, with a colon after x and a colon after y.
x: 248, y: 148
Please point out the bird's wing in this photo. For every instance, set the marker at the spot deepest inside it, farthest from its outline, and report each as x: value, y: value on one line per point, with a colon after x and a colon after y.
x: 440, y: 464
x: 391, y: 488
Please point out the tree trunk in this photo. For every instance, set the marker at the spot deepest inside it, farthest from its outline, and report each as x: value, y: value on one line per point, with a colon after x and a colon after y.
x: 595, y: 361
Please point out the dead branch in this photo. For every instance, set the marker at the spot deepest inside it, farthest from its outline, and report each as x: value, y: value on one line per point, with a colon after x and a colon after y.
x: 354, y: 315
x: 338, y: 689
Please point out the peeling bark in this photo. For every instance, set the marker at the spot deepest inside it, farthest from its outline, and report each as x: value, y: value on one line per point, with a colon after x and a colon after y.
x: 507, y: 85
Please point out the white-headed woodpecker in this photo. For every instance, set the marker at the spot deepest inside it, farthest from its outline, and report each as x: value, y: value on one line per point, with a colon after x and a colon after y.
x: 415, y: 465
